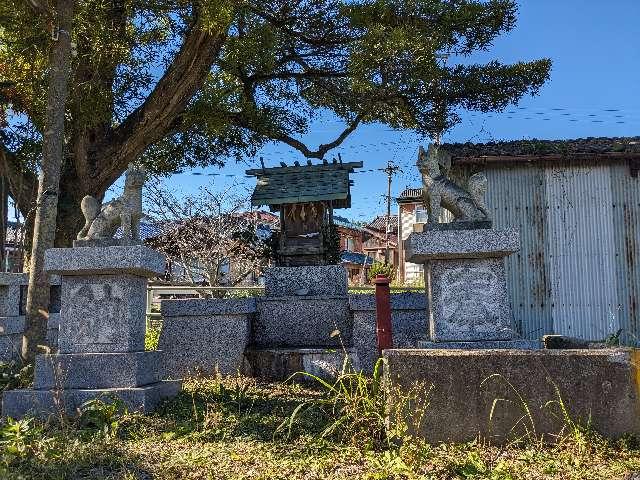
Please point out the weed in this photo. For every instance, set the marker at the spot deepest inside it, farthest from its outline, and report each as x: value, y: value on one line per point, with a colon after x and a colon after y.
x: 363, y: 410
x: 15, y: 375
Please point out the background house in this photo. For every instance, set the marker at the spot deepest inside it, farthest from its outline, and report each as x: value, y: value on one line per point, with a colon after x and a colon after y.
x: 375, y: 242
x: 577, y: 205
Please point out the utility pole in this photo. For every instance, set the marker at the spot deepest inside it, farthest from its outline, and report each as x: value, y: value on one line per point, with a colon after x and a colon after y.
x: 390, y: 170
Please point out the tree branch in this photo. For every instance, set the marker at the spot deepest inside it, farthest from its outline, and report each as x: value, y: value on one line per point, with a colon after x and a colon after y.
x: 151, y: 121
x: 322, y: 149
x: 23, y: 184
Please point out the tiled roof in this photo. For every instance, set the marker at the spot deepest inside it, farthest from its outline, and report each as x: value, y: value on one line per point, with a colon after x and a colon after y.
x: 410, y: 194
x: 380, y: 223
x: 304, y: 183
x: 347, y: 256
x: 534, y: 147
x: 345, y: 222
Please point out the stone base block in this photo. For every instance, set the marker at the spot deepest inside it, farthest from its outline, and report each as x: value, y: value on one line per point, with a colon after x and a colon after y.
x: 97, y: 370
x: 279, y: 364
x: 600, y: 386
x: 313, y: 280
x: 302, y: 322
x: 204, y: 336
x: 485, y: 345
x: 45, y: 403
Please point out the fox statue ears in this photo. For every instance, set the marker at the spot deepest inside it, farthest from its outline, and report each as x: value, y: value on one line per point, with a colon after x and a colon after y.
x: 444, y: 157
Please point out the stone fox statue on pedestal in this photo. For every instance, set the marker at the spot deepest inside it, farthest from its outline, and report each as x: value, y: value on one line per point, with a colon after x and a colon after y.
x: 439, y: 191
x: 102, y: 221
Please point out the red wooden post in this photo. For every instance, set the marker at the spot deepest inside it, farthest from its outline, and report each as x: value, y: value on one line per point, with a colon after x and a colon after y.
x: 383, y: 313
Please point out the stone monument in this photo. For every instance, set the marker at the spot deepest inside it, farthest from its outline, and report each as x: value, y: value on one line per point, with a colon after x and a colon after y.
x: 468, y: 304
x: 102, y: 329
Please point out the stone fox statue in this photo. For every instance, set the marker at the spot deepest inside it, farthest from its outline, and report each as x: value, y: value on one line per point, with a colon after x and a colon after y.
x: 439, y: 191
x: 102, y: 221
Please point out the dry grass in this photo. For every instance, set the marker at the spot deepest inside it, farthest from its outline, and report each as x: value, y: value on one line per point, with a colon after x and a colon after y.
x: 228, y: 429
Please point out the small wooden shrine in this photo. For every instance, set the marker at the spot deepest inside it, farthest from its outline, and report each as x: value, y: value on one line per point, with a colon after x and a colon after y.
x: 305, y: 196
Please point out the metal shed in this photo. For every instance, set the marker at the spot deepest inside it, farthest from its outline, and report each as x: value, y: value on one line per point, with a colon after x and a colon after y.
x: 577, y: 204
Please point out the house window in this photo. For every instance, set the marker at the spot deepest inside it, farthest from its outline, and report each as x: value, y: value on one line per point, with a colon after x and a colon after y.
x: 350, y: 244
x: 421, y: 214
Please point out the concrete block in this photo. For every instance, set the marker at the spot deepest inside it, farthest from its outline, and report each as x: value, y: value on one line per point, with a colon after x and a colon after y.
x: 596, y: 385
x: 279, y: 364
x: 480, y: 243
x: 103, y: 313
x: 204, y: 343
x: 302, y: 322
x: 46, y: 403
x: 308, y: 280
x: 97, y: 370
x: 135, y: 260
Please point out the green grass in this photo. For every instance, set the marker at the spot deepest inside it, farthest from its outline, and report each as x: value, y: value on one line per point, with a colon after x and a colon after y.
x: 238, y: 428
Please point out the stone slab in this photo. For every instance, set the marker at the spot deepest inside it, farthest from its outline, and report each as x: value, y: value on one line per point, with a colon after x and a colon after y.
x: 11, y: 298
x: 10, y: 346
x: 97, y: 370
x: 280, y: 364
x: 518, y: 344
x: 102, y: 314
x: 307, y: 280
x: 302, y: 322
x: 45, y: 403
x: 131, y: 260
x: 7, y: 278
x: 481, y: 243
x: 468, y: 300
x: 203, y: 344
x: 596, y: 385
x: 207, y: 307
x: 11, y: 325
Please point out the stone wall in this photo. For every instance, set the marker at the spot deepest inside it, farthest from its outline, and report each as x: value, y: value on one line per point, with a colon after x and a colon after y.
x: 13, y: 297
x: 465, y: 388
x: 231, y: 335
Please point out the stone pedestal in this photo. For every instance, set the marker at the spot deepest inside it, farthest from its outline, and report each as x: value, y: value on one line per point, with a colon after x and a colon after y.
x: 302, y: 308
x: 205, y: 335
x: 101, y: 336
x: 466, y: 287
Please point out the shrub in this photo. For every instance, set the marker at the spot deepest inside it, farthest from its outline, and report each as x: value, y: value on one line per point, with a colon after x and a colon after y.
x: 382, y: 269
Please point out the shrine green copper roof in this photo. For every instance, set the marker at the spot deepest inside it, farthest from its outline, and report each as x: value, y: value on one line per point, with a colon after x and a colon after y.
x: 304, y: 183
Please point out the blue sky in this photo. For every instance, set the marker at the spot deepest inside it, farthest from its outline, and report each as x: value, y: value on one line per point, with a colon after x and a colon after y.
x: 593, y: 91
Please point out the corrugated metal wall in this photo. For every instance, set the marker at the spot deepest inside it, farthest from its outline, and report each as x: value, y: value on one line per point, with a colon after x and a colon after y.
x: 625, y: 192
x: 516, y: 197
x: 577, y: 272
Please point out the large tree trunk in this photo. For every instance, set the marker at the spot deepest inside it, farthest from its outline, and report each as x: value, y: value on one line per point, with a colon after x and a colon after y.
x: 4, y: 217
x: 48, y: 184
